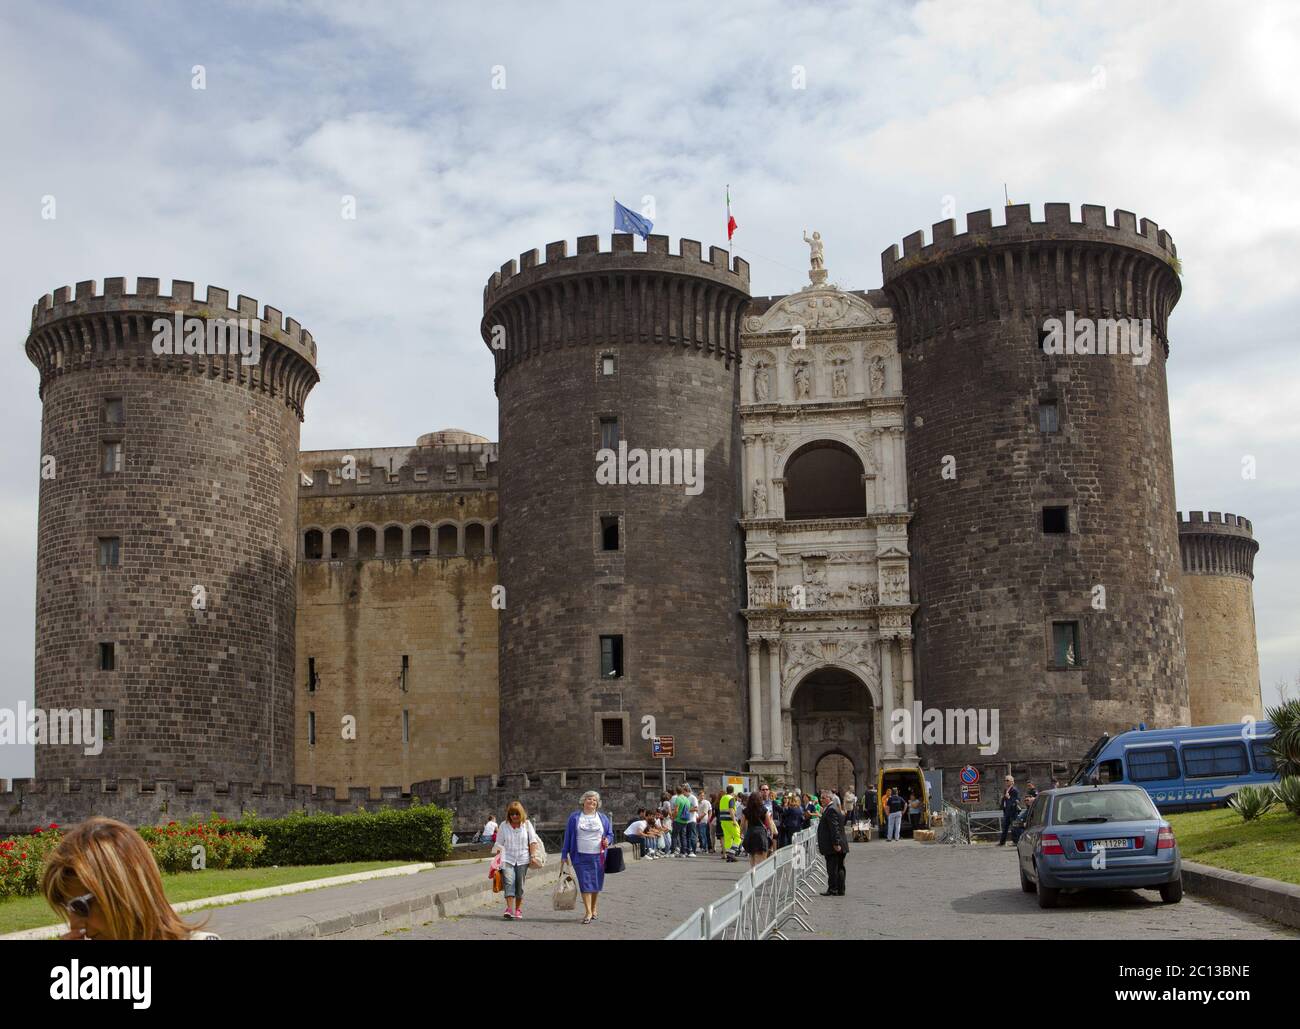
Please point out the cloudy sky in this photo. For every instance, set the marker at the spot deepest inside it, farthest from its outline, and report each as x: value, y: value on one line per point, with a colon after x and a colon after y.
x: 1185, y: 113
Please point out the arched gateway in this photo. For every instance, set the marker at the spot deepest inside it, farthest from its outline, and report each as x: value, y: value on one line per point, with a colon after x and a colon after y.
x: 833, y: 714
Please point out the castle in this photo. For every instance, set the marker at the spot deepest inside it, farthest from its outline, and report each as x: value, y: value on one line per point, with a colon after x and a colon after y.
x: 908, y: 498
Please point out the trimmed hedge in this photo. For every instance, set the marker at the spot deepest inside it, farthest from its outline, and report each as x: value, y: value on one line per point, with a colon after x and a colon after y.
x: 418, y: 833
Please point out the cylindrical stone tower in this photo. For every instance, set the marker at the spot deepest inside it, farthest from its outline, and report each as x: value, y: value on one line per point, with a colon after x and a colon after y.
x: 621, y: 597
x: 1219, y: 617
x: 1045, y: 538
x: 168, y: 529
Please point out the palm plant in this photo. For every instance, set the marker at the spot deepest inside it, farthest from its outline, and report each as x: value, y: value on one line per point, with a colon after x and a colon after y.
x: 1285, y: 745
x: 1288, y: 792
x: 1252, y: 801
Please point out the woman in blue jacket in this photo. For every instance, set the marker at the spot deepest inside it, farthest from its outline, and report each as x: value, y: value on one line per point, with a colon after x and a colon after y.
x: 586, y: 838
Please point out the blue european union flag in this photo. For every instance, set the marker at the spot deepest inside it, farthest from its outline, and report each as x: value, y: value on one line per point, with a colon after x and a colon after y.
x: 630, y: 221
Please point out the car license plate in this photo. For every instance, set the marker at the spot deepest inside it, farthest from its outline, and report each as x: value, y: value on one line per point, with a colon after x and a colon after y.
x: 1112, y: 844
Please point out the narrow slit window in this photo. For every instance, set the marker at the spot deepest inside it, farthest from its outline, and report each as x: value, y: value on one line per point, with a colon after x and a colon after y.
x: 611, y: 657
x: 609, y: 433
x: 1065, y: 645
x: 113, y: 454
x: 609, y: 533
x: 107, y: 657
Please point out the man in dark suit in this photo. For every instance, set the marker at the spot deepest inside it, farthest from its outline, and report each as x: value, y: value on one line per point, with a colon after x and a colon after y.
x: 1010, y: 808
x: 833, y: 843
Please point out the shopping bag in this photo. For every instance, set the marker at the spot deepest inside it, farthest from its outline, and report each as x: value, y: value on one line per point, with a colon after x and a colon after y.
x: 566, y: 891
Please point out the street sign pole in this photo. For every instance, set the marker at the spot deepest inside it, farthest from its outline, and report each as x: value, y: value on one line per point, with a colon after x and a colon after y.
x: 663, y: 761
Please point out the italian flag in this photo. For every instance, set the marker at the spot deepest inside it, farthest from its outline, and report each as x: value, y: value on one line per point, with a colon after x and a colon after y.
x: 731, y: 222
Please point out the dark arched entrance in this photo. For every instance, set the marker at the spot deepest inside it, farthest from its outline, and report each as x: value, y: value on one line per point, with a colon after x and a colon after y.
x: 831, y: 714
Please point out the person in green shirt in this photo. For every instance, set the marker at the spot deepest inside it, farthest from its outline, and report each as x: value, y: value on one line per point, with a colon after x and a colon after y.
x: 682, y: 828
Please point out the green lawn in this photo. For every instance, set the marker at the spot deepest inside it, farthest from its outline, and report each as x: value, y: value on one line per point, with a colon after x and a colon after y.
x: 1268, y: 846
x: 18, y: 913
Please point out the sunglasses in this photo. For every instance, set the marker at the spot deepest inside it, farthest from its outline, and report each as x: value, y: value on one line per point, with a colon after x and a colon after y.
x: 80, y: 906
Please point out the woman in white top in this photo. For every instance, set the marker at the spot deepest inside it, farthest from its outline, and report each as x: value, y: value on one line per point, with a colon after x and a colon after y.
x: 489, y: 830
x: 586, y: 838
x: 517, y: 844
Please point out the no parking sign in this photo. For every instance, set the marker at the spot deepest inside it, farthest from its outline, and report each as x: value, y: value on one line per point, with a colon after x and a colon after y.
x: 970, y: 775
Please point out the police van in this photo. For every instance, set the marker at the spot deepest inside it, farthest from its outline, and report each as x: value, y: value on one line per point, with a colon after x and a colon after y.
x: 1187, y: 768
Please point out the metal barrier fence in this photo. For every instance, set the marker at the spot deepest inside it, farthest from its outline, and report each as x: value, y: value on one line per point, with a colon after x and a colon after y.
x: 955, y: 827
x: 765, y: 900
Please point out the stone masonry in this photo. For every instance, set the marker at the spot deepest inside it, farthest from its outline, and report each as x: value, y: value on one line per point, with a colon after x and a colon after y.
x: 985, y: 460
x: 177, y: 550
x: 1218, y: 555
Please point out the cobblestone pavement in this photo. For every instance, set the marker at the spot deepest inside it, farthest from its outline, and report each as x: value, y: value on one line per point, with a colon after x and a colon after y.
x: 901, y: 890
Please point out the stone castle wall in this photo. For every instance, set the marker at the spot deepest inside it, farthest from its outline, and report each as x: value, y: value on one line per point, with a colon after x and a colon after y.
x: 360, y: 614
x: 200, y: 608
x: 990, y: 581
x: 671, y: 590
x: 1218, y: 555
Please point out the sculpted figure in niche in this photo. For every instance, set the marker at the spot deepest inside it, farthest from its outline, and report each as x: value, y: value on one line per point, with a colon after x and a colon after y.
x: 877, y: 375
x: 760, y: 500
x: 840, y: 386
x: 760, y: 384
x: 802, y: 382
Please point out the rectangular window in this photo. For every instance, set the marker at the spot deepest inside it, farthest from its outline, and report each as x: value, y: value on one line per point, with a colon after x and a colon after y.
x: 1056, y: 519
x: 112, y: 457
x: 1206, y: 760
x: 110, y: 551
x: 611, y: 732
x: 609, y: 532
x: 607, y: 364
x: 311, y: 675
x: 311, y: 728
x: 611, y: 657
x: 107, y: 657
x: 1263, y: 758
x: 406, y: 725
x: 110, y: 725
x: 609, y: 433
x: 1110, y: 771
x: 114, y: 411
x: 1065, y: 645
x: 1151, y: 764
x: 406, y: 668
x: 1049, y: 416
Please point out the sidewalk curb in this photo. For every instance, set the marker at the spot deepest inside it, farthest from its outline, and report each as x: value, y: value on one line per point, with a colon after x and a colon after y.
x: 1250, y: 893
x: 447, y: 901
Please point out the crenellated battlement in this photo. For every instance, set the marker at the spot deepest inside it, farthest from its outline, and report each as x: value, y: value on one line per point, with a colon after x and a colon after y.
x: 1025, y: 271
x: 75, y: 330
x: 1057, y: 226
x: 1211, y: 543
x: 65, y: 303
x: 427, y: 468
x: 622, y: 256
x: 1216, y: 523
x: 622, y: 295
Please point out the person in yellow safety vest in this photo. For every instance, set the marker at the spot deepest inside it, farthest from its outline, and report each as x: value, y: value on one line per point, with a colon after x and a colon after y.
x: 727, y: 819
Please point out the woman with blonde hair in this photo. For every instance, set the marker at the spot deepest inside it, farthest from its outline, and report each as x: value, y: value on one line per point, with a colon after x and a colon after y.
x: 103, y: 879
x: 586, y: 838
x: 517, y: 842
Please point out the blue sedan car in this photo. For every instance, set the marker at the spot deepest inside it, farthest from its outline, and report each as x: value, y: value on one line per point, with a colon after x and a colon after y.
x: 1105, y: 837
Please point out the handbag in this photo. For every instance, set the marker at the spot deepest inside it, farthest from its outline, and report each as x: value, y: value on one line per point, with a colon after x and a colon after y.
x: 538, y: 860
x: 565, y: 896
x: 614, y: 861
x: 498, y: 881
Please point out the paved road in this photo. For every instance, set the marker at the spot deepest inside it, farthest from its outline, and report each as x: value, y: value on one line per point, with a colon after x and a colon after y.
x: 901, y: 890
